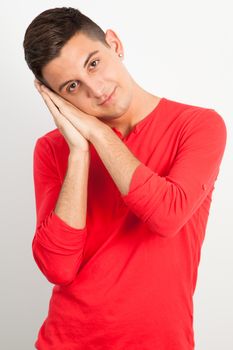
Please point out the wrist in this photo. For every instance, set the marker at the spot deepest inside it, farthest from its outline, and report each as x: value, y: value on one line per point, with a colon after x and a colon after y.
x: 99, y: 132
x: 78, y: 155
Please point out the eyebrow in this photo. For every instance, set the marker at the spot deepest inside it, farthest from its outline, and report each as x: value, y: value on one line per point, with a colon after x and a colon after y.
x: 85, y: 63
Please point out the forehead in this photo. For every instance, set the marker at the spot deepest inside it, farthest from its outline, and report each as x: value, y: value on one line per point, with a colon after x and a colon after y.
x: 72, y: 56
x: 80, y: 44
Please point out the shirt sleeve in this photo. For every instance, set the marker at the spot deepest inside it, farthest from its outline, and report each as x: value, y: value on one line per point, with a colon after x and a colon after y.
x: 166, y: 203
x: 57, y: 247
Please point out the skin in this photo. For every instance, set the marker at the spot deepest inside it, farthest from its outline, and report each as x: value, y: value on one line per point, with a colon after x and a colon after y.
x: 79, y: 114
x: 91, y: 85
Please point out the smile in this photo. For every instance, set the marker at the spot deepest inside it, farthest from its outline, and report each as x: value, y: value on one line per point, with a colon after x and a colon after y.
x: 108, y: 99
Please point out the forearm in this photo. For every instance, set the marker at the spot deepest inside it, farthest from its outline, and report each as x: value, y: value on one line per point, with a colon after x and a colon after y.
x: 71, y: 205
x: 166, y: 203
x: 117, y: 158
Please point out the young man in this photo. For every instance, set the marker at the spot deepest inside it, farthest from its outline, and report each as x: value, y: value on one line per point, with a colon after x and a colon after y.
x: 123, y: 189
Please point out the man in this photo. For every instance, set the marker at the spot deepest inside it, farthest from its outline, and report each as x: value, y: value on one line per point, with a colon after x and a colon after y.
x: 123, y: 188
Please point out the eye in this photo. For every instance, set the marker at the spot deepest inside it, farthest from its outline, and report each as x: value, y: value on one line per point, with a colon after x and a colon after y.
x: 72, y: 86
x: 94, y: 63
x: 75, y: 83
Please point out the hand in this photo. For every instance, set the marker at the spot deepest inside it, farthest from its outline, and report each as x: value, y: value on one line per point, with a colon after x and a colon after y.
x: 85, y: 123
x: 75, y: 140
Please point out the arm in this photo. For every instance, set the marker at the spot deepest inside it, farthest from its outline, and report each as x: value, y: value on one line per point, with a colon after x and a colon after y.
x: 73, y: 195
x: 165, y: 204
x: 94, y: 131
x: 61, y: 214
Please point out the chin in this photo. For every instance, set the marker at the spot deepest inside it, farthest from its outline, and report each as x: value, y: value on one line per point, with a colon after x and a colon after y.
x: 107, y: 118
x: 112, y: 114
x: 117, y: 110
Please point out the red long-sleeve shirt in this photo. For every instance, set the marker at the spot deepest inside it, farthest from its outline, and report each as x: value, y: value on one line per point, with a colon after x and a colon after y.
x: 126, y: 281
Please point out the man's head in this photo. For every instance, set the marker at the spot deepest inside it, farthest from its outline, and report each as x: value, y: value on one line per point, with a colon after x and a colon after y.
x: 73, y: 56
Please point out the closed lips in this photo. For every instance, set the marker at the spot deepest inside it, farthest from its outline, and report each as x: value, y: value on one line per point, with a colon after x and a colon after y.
x: 107, y: 97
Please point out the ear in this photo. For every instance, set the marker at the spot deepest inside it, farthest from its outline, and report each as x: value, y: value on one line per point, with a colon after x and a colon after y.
x: 114, y: 42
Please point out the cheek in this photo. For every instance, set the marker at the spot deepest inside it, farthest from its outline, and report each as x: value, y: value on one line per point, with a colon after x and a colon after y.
x: 112, y: 72
x: 117, y: 76
x: 77, y: 99
x: 82, y: 102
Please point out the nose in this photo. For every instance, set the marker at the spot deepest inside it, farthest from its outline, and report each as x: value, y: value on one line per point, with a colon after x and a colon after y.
x: 96, y: 88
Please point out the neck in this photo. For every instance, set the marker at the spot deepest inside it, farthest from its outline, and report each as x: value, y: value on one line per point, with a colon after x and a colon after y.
x: 141, y: 105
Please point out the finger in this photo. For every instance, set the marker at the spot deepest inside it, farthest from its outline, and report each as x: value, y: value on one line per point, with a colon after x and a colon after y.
x: 52, y: 108
x: 37, y: 84
x: 58, y: 100
x: 66, y: 109
x: 61, y: 122
x: 61, y: 103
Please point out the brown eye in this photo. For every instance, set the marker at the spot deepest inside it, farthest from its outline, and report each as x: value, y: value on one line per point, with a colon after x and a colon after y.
x: 73, y: 86
x: 93, y: 63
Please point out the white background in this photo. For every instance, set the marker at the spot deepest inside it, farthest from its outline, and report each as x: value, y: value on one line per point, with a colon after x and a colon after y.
x: 180, y: 50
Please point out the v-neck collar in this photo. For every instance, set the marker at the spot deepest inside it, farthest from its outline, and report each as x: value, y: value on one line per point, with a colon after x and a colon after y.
x: 137, y: 127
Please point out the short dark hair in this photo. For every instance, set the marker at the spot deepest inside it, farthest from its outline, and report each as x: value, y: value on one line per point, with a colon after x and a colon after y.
x: 49, y: 32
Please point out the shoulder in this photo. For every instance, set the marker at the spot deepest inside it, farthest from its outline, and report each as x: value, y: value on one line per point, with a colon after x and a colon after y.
x: 190, y: 116
x: 51, y: 137
x: 52, y: 141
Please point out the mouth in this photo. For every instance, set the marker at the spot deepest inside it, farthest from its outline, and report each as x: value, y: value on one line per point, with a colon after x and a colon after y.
x: 108, y: 99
